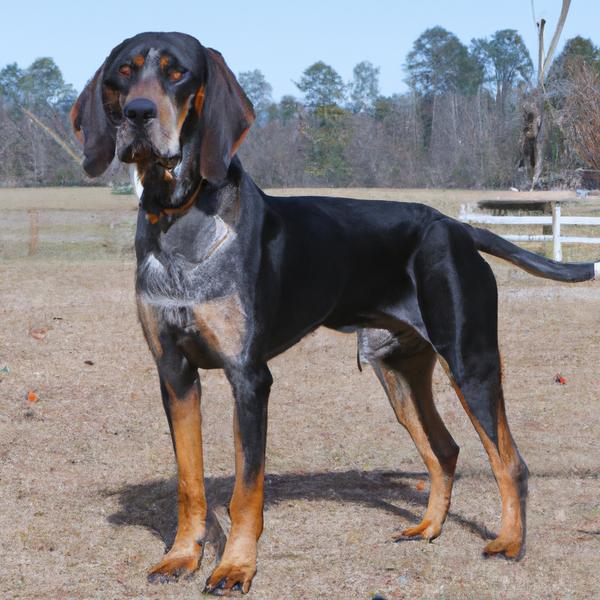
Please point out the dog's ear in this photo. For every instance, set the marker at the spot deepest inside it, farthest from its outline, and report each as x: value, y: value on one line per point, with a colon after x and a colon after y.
x: 223, y: 117
x: 93, y: 125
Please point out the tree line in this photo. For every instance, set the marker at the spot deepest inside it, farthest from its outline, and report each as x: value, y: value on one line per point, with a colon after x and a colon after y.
x: 463, y: 122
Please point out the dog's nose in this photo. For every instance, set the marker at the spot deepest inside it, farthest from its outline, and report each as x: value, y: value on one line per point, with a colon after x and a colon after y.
x: 140, y: 110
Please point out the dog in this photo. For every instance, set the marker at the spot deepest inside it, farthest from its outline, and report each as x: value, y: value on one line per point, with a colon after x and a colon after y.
x: 228, y: 277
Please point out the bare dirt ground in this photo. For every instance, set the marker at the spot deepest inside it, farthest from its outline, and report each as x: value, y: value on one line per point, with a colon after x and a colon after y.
x: 87, y: 487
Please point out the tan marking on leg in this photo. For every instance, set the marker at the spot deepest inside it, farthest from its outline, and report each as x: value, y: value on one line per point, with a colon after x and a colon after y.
x: 222, y: 324
x: 510, y: 473
x: 186, y: 420
x: 148, y: 320
x: 408, y: 383
x: 238, y: 565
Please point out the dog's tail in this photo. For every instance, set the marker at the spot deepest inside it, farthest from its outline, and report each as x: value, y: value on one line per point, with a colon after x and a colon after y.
x: 493, y: 244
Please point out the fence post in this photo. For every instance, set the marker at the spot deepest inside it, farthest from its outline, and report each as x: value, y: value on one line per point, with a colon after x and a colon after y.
x: 557, y: 250
x: 34, y: 231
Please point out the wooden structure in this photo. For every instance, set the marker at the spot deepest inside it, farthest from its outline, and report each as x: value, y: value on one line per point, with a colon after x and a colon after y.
x: 501, y: 210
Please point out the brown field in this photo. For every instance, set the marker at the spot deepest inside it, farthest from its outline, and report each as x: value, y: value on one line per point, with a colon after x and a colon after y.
x: 87, y: 487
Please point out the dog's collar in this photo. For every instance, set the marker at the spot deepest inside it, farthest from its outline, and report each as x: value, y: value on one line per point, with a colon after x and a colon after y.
x: 154, y: 217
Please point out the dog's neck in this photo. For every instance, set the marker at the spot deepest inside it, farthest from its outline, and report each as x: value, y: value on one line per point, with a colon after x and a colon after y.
x: 190, y: 231
x: 165, y: 196
x: 158, y: 199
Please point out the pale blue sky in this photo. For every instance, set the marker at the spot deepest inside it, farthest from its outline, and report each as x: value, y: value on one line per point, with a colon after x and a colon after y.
x: 279, y: 38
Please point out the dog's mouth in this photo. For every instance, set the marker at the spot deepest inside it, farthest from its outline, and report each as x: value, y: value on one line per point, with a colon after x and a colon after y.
x: 144, y: 153
x: 168, y: 162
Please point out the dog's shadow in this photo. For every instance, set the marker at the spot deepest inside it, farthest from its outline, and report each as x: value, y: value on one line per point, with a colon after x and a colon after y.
x: 153, y: 505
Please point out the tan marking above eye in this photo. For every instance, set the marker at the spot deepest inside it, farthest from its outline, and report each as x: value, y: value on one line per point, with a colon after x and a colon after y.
x: 138, y: 60
x: 125, y: 70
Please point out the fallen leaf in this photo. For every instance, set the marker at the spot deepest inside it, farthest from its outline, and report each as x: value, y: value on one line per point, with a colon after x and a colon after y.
x: 38, y: 333
x: 88, y: 362
x: 32, y: 396
x: 420, y: 486
x: 558, y: 378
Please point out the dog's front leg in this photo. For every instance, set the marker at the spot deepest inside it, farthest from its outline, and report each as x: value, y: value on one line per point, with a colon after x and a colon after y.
x: 251, y: 387
x: 181, y: 399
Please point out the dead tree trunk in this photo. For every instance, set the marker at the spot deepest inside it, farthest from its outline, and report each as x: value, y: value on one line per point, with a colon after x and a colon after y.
x: 534, y: 122
x: 530, y: 135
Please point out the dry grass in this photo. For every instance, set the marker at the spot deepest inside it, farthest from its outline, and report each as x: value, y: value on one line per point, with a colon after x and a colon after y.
x: 87, y: 488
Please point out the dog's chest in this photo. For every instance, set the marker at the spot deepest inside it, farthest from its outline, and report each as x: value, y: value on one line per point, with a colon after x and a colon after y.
x: 190, y: 285
x: 189, y: 262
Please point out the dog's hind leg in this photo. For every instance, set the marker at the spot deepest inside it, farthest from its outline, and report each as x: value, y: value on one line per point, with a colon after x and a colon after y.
x: 407, y: 382
x: 458, y: 300
x: 509, y: 468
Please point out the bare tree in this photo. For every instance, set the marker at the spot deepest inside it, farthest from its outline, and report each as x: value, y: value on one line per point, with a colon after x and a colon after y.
x: 534, y: 108
x: 580, y: 117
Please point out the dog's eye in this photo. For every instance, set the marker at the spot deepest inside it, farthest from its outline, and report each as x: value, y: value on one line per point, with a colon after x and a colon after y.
x: 125, y: 70
x: 175, y: 74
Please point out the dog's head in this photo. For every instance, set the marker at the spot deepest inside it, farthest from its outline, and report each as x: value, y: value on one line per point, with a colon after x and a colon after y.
x: 163, y: 99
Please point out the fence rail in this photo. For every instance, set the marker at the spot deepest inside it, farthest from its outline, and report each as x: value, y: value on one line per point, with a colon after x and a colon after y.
x: 556, y: 220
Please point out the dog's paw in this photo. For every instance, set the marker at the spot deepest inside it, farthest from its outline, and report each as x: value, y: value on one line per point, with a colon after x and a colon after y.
x: 174, y: 565
x: 503, y: 546
x: 425, y: 530
x: 227, y: 579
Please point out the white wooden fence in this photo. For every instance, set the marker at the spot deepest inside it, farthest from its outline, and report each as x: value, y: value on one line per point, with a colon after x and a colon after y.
x: 556, y: 220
